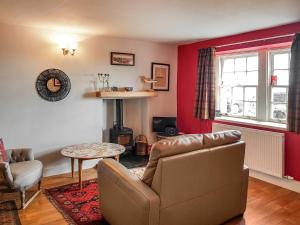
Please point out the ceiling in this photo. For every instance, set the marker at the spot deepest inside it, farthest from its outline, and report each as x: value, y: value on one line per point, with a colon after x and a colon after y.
x: 170, y: 21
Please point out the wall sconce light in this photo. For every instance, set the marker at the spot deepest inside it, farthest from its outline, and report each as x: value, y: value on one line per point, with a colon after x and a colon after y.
x: 66, y: 51
x: 68, y: 46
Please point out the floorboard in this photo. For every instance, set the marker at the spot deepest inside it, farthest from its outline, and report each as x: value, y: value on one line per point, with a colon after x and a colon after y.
x: 267, y: 204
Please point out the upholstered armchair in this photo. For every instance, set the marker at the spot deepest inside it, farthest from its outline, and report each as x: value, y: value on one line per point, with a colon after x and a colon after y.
x: 20, y: 172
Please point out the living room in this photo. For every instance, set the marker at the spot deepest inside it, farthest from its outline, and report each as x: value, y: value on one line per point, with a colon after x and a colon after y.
x: 136, y: 113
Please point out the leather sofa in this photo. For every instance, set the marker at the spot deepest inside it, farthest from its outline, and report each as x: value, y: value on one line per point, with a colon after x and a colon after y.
x: 197, y: 179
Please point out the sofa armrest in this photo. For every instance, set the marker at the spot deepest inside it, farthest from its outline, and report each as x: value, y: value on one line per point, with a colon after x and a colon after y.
x: 20, y: 154
x: 6, y: 174
x: 245, y: 178
x: 124, y: 198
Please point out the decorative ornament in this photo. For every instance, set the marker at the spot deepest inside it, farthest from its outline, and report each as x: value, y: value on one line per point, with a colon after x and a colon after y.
x: 147, y: 80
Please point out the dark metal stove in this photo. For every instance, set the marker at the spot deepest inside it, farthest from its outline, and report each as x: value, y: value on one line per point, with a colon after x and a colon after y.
x: 120, y: 134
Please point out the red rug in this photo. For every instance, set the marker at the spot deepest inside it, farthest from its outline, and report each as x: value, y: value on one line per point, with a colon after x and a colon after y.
x: 9, y: 213
x: 79, y: 207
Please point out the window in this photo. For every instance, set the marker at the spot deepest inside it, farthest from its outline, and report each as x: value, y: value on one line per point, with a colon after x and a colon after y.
x: 279, y: 72
x: 238, y: 86
x: 254, y: 85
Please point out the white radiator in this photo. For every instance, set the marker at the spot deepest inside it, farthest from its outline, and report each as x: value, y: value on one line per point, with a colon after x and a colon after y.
x: 264, y: 149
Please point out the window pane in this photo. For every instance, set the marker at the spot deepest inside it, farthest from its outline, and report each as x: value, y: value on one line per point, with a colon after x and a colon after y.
x: 252, y: 78
x: 240, y: 64
x: 282, y: 77
x: 278, y: 111
x: 237, y: 93
x: 281, y: 61
x: 240, y: 78
x: 250, y: 94
x: 250, y: 109
x: 225, y: 100
x: 228, y: 78
x: 228, y: 65
x: 237, y: 108
x: 279, y: 95
x: 252, y: 63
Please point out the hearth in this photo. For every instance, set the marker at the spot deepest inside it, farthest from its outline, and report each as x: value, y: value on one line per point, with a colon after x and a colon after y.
x: 120, y: 134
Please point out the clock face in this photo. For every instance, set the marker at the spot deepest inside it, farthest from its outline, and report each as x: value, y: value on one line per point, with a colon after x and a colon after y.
x: 53, y: 85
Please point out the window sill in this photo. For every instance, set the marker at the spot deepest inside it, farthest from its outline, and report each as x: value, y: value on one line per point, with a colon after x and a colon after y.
x: 271, y: 125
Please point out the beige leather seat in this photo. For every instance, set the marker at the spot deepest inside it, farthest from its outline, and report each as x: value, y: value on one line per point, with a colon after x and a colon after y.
x: 189, y: 180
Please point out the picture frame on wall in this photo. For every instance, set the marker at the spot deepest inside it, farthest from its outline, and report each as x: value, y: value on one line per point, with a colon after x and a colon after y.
x: 122, y: 59
x: 161, y: 73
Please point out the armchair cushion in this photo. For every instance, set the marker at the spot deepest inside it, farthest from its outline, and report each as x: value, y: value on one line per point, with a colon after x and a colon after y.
x: 25, y: 174
x: 20, y: 155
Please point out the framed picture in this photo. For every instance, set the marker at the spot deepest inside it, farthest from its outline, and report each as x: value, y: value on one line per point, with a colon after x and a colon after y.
x: 161, y: 73
x: 122, y: 59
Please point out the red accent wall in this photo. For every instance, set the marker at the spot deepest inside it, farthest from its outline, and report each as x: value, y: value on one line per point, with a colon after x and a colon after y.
x: 186, y: 82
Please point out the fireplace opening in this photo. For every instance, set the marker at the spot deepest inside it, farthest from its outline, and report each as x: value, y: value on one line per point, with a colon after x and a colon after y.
x: 120, y: 134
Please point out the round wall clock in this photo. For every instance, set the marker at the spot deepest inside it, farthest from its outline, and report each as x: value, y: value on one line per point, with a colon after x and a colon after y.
x: 53, y: 85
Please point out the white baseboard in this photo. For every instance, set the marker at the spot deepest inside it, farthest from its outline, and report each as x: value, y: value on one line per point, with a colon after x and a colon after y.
x: 281, y: 182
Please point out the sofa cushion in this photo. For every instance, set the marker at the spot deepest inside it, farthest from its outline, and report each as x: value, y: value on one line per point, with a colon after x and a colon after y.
x: 26, y: 174
x: 186, y: 143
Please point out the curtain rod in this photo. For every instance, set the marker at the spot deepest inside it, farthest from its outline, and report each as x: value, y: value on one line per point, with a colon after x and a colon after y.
x: 250, y: 41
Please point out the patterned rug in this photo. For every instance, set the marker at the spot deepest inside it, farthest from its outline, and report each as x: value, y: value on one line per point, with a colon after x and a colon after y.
x: 81, y: 207
x: 9, y: 213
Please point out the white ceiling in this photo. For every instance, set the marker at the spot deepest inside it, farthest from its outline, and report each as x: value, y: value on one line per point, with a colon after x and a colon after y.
x: 154, y: 20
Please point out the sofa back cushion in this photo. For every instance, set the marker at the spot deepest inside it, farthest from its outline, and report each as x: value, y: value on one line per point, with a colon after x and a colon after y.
x: 186, y: 143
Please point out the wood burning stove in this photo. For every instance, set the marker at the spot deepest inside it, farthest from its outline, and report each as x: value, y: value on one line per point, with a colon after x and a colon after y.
x: 120, y: 134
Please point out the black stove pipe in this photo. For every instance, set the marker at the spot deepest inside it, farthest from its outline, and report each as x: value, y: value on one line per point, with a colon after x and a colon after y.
x: 119, y: 113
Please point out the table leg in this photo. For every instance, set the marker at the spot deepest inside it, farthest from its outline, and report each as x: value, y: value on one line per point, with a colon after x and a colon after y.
x: 80, y: 172
x: 117, y: 157
x: 72, y: 166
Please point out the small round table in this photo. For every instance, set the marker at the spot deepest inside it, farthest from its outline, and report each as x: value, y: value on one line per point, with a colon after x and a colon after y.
x: 91, y: 151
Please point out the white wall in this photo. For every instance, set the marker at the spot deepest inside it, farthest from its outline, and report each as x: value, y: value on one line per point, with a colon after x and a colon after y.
x: 26, y: 120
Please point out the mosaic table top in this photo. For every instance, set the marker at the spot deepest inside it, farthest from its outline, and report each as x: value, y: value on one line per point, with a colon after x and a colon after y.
x: 93, y: 150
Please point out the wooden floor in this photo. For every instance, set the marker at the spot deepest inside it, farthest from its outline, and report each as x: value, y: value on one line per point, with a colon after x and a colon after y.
x: 267, y: 204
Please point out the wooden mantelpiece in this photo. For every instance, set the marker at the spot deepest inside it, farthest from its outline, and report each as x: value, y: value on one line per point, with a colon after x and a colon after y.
x: 125, y: 94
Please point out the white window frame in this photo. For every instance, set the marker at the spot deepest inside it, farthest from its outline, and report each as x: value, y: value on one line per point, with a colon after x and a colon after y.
x: 220, y: 85
x: 263, y: 89
x: 271, y: 54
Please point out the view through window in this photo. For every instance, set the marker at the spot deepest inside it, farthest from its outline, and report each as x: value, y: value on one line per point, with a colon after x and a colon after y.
x: 279, y: 63
x: 239, y: 80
